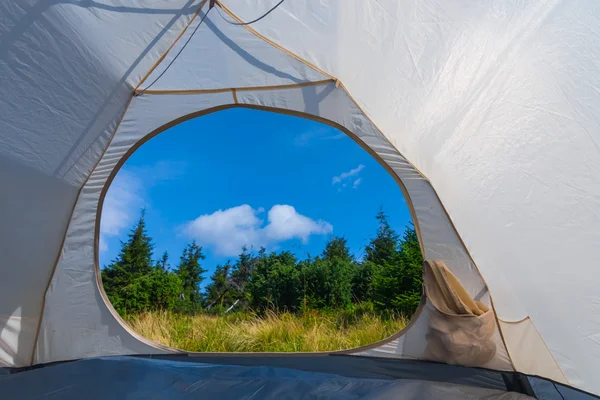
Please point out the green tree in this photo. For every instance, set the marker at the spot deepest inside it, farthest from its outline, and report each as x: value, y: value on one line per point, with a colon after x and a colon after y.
x: 125, y: 279
x: 275, y: 282
x: 163, y: 262
x: 218, y: 291
x: 336, y: 248
x: 327, y: 280
x: 384, y: 246
x: 398, y: 281
x: 362, y: 281
x: 163, y: 287
x: 190, y: 272
x: 240, y: 275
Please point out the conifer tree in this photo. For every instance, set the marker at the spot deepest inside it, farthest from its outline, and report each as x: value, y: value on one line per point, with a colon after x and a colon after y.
x: 191, y: 272
x: 218, y: 291
x: 163, y: 263
x: 384, y: 246
x: 121, y: 278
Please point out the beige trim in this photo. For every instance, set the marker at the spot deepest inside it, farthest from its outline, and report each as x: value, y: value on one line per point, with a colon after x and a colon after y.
x: 339, y: 83
x: 409, y: 201
x: 41, y: 318
x: 238, y: 89
x: 512, y: 363
x: 514, y: 322
x: 413, y: 213
x: 541, y: 339
x: 451, y: 223
x: 187, y: 117
x: 161, y: 58
x: 235, y: 17
x: 395, y: 336
x: 453, y: 228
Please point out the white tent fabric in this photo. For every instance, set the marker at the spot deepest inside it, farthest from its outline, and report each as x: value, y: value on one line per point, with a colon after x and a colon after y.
x: 485, y: 113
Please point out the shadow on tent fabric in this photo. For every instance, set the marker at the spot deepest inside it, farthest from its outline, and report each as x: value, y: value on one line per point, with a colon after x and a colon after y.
x: 247, y: 56
x: 35, y: 185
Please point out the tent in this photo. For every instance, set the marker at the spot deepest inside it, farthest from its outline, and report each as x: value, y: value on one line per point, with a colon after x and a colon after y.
x: 485, y: 113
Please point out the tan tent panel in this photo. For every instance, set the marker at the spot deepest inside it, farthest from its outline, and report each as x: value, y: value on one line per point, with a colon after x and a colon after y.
x: 485, y: 113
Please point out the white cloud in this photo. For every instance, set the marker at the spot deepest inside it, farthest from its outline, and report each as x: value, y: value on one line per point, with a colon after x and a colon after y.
x: 227, y: 231
x: 121, y: 206
x: 286, y: 223
x: 125, y: 197
x: 348, y: 174
x: 322, y: 133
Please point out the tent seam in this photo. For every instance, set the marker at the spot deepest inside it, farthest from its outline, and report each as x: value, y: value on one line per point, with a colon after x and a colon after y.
x: 451, y: 223
x: 543, y: 341
x: 232, y: 15
x: 237, y: 89
x: 340, y: 83
x: 197, y: 114
x: 314, y: 67
x: 62, y: 244
x: 164, y: 55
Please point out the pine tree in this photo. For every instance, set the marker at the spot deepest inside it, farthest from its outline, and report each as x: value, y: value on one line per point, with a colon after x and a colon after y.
x: 190, y: 272
x: 275, y: 282
x: 163, y: 263
x: 218, y: 292
x: 397, y: 282
x: 384, y: 246
x: 337, y: 248
x: 240, y: 275
x: 121, y: 279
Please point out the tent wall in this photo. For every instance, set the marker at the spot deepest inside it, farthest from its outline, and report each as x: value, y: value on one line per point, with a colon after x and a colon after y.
x: 95, y: 329
x: 67, y: 71
x: 495, y: 102
x: 180, y: 92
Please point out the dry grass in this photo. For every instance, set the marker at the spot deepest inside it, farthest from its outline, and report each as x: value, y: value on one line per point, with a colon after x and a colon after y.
x: 272, y: 332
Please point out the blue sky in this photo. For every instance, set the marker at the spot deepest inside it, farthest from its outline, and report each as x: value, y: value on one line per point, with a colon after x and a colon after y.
x: 249, y: 177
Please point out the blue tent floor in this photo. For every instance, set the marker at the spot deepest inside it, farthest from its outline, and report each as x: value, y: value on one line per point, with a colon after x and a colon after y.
x: 151, y: 378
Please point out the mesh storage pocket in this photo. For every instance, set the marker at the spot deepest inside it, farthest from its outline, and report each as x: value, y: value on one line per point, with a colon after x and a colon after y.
x: 461, y: 339
x: 460, y: 329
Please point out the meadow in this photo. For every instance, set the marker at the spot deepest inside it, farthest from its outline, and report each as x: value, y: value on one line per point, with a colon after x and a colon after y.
x: 270, y: 332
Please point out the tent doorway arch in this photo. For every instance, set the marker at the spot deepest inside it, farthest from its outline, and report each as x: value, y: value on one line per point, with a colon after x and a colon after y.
x: 259, y: 109
x: 325, y: 102
x: 490, y: 101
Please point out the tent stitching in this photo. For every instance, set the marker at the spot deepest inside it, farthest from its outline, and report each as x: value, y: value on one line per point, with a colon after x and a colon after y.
x: 232, y: 15
x: 197, y: 114
x: 239, y: 89
x: 41, y: 317
x: 416, y: 169
x: 543, y: 341
x: 162, y: 57
x: 340, y: 83
x: 176, y: 55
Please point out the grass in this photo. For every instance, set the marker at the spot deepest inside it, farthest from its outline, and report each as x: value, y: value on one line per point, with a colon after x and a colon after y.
x: 283, y: 332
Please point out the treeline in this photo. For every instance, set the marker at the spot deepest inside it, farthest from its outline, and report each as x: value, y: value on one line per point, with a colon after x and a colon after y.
x: 389, y: 276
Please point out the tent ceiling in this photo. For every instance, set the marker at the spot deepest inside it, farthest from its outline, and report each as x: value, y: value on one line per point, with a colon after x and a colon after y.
x: 495, y: 102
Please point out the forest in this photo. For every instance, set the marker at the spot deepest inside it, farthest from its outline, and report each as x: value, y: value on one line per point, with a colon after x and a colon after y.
x: 389, y: 276
x: 261, y: 287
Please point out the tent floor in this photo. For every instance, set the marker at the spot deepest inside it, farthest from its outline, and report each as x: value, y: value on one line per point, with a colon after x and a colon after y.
x: 172, y: 378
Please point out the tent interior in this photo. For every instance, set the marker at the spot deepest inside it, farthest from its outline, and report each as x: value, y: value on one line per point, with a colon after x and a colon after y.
x: 490, y: 103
